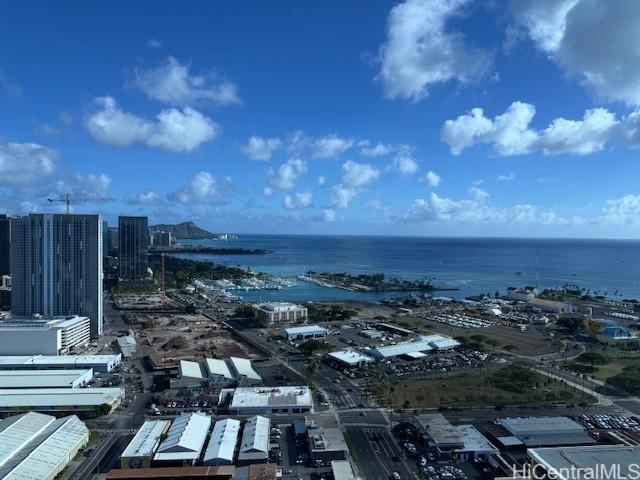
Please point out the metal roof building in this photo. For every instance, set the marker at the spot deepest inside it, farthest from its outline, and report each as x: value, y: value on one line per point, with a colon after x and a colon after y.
x: 575, y: 463
x: 218, y: 368
x: 45, y: 378
x: 271, y: 400
x: 243, y: 368
x: 59, y: 399
x: 546, y: 431
x: 38, y: 447
x: 190, y: 369
x: 305, y: 332
x: 140, y: 450
x: 222, y: 444
x: 185, y: 439
x: 99, y: 363
x: 127, y: 345
x: 476, y: 445
x: 254, y: 446
x: 440, y: 342
x: 403, y: 348
x: 342, y: 470
x: 350, y: 358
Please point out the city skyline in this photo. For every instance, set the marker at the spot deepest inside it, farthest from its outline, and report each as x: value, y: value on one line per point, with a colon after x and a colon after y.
x: 424, y: 118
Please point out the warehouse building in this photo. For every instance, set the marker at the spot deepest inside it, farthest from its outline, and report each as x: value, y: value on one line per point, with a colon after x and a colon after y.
x: 415, y: 348
x: 44, y: 336
x: 326, y: 441
x: 546, y: 431
x: 216, y: 372
x: 99, y: 363
x: 272, y: 313
x: 184, y: 441
x: 342, y: 470
x: 305, y: 333
x: 45, y: 378
x: 87, y: 402
x: 222, y: 444
x: 476, y: 447
x: 254, y: 446
x: 139, y: 453
x: 266, y: 400
x: 570, y: 463
x: 173, y: 473
x: 442, y: 438
x: 127, y: 345
x: 349, y: 358
x: 39, y: 447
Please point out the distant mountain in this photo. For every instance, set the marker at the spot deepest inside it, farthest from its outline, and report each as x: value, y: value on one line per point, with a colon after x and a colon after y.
x: 184, y: 230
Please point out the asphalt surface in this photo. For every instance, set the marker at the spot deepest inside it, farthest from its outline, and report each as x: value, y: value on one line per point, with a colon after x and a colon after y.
x: 374, y: 450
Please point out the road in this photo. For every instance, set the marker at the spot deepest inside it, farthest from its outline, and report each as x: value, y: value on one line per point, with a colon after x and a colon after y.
x: 375, y: 450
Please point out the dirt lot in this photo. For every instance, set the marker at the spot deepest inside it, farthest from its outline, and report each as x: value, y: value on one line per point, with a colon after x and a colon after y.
x: 189, y: 337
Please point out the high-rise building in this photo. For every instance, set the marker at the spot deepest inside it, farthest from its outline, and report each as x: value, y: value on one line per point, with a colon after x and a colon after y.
x: 5, y: 242
x: 57, y: 266
x: 133, y: 244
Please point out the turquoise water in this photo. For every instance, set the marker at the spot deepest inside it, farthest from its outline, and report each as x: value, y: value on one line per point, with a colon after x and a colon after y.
x: 471, y: 265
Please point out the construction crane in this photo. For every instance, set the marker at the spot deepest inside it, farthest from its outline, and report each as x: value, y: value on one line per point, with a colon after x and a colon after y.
x: 66, y: 200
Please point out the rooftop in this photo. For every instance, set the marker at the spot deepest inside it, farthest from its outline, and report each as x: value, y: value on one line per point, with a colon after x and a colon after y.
x: 565, y: 460
x: 278, y: 306
x: 215, y: 366
x: 42, y: 378
x: 224, y: 438
x: 474, y: 441
x: 271, y: 396
x: 244, y: 368
x: 13, y: 323
x: 59, y: 397
x: 305, y: 330
x: 190, y: 369
x: 58, y: 359
x: 440, y: 430
x: 546, y: 431
x: 342, y: 470
x: 146, y: 439
x: 226, y: 471
x: 255, y: 437
x: 349, y: 357
x: 185, y: 438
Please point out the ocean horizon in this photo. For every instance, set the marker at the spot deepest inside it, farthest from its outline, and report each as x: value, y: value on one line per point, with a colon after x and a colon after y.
x: 467, y: 265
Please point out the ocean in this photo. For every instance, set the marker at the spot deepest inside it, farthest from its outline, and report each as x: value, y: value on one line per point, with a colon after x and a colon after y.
x: 470, y: 265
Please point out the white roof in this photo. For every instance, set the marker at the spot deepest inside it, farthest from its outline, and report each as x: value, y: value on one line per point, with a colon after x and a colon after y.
x: 278, y: 306
x: 350, y: 357
x: 415, y: 355
x: 474, y: 441
x: 440, y: 342
x: 48, y: 454
x: 126, y: 341
x: 190, y: 369
x: 16, y: 432
x: 255, y: 437
x: 247, y: 397
x: 342, y: 470
x: 59, y: 359
x: 305, y: 330
x: 222, y: 444
x: 42, y: 378
x: 244, y: 368
x: 185, y: 438
x: 147, y: 439
x: 58, y: 397
x: 215, y: 366
x: 402, y: 349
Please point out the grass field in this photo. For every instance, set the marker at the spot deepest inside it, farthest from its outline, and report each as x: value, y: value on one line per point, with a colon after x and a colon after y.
x: 481, y: 390
x: 614, y: 367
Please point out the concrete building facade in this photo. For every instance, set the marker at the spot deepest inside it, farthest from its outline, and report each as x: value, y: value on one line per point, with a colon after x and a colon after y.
x: 133, y: 245
x: 44, y: 336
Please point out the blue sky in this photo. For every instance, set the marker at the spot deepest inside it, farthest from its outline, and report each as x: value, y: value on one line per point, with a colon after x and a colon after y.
x: 423, y: 117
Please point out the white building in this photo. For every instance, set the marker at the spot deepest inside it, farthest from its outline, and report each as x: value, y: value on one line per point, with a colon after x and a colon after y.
x: 254, y: 446
x: 34, y: 446
x: 86, y: 400
x: 215, y: 371
x: 242, y: 369
x: 349, y: 358
x: 266, y: 400
x: 143, y: 446
x: 271, y: 313
x: 185, y: 440
x: 44, y: 336
x: 44, y: 378
x: 56, y: 266
x: 127, y: 345
x: 99, y: 363
x: 305, y: 332
x: 222, y: 444
x: 419, y: 346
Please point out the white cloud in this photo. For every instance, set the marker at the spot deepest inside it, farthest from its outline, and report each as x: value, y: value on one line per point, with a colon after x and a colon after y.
x: 172, y: 83
x: 24, y: 164
x: 378, y: 207
x: 48, y: 129
x: 354, y: 177
x: 287, y: 175
x: 90, y: 187
x: 203, y: 188
x: 432, y: 179
x: 321, y: 180
x: 420, y: 51
x: 478, y: 209
x: 377, y: 150
x: 404, y: 162
x: 299, y: 200
x: 329, y: 215
x: 506, y: 178
x: 173, y: 130
x: 259, y: 148
x: 154, y: 43
x: 509, y: 133
x: 598, y: 41
x: 148, y: 197
x: 622, y: 211
x: 330, y: 146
